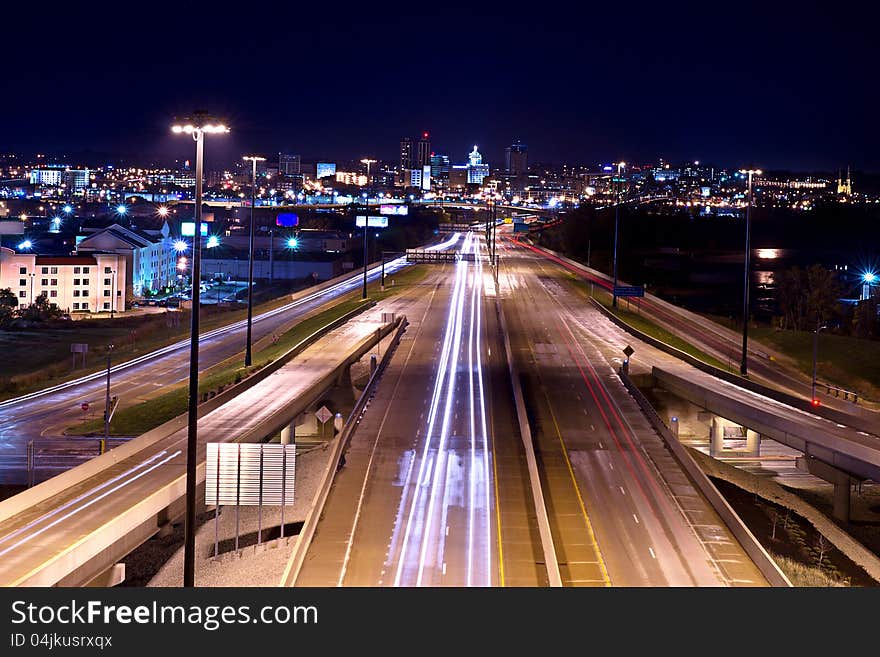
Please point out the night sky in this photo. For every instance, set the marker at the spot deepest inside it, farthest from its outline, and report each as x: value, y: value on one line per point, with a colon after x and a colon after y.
x: 777, y: 84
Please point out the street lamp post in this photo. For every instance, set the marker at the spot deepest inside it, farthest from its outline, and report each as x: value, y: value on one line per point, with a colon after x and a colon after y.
x: 813, y: 399
x: 113, y: 286
x: 744, y: 365
x: 197, y: 126
x: 250, y: 311
x: 107, y: 395
x: 366, y: 230
x: 620, y: 166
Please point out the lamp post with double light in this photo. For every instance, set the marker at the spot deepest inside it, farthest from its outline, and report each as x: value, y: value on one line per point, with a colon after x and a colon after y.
x: 744, y: 364
x: 197, y: 126
x: 619, y: 181
x: 253, y: 159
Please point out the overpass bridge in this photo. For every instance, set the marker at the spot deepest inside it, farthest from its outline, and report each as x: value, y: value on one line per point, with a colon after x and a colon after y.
x: 75, y: 527
x: 835, y: 452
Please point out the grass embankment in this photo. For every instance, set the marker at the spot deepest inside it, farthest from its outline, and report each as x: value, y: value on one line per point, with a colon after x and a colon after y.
x: 641, y: 322
x: 39, y: 357
x: 138, y: 419
x: 850, y: 363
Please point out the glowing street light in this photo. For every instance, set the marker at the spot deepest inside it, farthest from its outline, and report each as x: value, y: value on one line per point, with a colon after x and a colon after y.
x: 162, y: 211
x: 67, y: 209
x: 197, y: 127
x: 213, y: 241
x: 26, y: 244
x: 180, y: 246
x: 121, y: 209
x: 744, y: 365
x: 292, y: 243
x: 869, y: 277
x: 253, y: 159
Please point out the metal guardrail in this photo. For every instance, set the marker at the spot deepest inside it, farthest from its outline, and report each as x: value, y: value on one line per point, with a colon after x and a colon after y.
x: 750, y: 544
x: 854, y: 421
x: 525, y: 431
x: 340, y: 444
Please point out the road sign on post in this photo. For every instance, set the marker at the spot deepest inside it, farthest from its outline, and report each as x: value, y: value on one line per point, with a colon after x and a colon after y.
x: 629, y: 291
x: 323, y: 414
x: 85, y: 407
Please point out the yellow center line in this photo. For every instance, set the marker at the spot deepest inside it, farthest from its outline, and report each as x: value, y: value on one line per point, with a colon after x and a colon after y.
x: 497, y: 512
x: 577, y: 491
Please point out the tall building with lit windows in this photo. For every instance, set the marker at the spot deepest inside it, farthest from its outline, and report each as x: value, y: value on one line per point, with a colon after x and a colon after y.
x: 406, y: 153
x: 516, y: 158
x: 423, y: 153
x: 289, y: 165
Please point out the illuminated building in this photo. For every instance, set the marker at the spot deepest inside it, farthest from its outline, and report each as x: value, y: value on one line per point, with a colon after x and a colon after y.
x: 516, y: 158
x: 289, y: 165
x: 77, y: 283
x: 406, y: 153
x: 423, y: 154
x: 476, y: 170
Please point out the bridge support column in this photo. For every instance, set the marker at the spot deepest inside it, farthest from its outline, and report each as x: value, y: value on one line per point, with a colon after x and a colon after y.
x: 114, y: 575
x: 753, y: 443
x: 287, y: 433
x: 841, y: 480
x: 344, y: 379
x: 716, y: 436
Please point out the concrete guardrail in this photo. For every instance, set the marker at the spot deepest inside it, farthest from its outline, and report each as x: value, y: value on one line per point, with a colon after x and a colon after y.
x: 338, y: 446
x: 750, y: 544
x: 525, y: 431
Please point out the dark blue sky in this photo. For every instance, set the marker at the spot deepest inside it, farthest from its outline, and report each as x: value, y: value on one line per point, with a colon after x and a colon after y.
x: 779, y: 84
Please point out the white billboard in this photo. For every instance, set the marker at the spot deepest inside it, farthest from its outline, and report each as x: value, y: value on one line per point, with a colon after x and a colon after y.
x: 374, y: 221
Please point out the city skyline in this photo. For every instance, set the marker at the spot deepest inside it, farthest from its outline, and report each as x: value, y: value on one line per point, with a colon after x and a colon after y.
x: 683, y: 89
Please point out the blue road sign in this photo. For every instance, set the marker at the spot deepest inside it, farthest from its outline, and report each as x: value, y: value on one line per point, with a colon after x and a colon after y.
x: 629, y: 291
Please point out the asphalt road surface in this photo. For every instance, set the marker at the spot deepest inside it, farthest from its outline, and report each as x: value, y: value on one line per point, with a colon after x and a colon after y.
x: 434, y: 491
x: 622, y: 510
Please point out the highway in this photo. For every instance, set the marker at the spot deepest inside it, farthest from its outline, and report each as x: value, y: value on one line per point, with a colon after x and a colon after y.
x: 622, y: 510
x: 47, y: 413
x: 111, y: 507
x: 717, y: 340
x: 434, y: 491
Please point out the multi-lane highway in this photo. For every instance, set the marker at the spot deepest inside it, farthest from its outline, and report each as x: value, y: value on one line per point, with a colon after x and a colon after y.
x: 622, y: 510
x: 49, y: 412
x: 719, y: 341
x: 434, y: 491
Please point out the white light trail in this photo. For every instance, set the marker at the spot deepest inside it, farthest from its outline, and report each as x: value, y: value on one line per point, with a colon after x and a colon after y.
x: 89, y: 503
x: 422, y: 476
x: 461, y: 274
x: 80, y: 498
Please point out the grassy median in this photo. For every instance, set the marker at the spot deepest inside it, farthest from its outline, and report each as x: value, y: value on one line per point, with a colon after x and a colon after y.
x: 140, y: 418
x: 642, y: 323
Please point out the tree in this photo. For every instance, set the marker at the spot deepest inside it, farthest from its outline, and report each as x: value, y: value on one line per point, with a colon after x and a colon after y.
x: 40, y: 310
x: 865, y: 319
x: 8, y: 304
x: 807, y: 296
x: 822, y: 547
